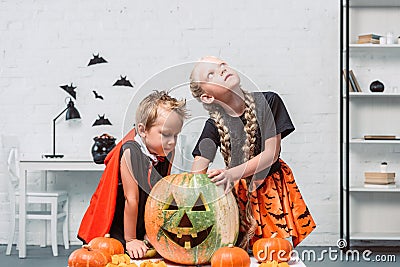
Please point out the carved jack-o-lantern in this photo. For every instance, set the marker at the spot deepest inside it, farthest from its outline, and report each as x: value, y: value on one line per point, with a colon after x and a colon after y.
x: 188, y: 218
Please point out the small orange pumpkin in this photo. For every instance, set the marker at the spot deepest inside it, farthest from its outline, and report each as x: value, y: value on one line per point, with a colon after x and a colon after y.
x: 108, y: 244
x: 230, y: 256
x: 273, y: 248
x: 273, y: 264
x: 88, y: 257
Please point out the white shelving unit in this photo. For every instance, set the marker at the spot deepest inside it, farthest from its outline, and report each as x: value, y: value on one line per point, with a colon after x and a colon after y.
x: 368, y: 113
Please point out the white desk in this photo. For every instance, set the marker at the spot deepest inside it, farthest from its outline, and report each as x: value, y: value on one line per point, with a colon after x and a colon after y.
x: 254, y: 263
x: 45, y: 165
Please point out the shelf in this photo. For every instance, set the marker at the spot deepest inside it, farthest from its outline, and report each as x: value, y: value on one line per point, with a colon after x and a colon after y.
x: 374, y: 3
x: 374, y: 190
x: 375, y: 236
x: 370, y: 94
x: 363, y: 141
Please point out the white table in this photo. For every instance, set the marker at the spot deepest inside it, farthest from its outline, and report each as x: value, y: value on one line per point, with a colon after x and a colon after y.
x: 254, y: 263
x: 45, y: 165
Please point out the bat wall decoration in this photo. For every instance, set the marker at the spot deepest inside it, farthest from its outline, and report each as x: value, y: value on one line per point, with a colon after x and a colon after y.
x: 70, y: 89
x: 96, y: 95
x: 97, y: 60
x: 101, y: 121
x: 123, y: 82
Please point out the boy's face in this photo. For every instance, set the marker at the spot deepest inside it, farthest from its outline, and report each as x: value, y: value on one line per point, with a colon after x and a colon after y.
x: 160, y: 139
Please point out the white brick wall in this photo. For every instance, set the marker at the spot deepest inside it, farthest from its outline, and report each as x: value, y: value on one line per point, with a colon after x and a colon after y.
x: 287, y: 46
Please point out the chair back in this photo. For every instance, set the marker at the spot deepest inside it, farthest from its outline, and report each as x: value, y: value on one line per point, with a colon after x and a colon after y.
x: 13, y: 169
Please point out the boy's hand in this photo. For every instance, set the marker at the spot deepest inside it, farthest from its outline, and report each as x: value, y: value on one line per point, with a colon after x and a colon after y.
x: 136, y: 249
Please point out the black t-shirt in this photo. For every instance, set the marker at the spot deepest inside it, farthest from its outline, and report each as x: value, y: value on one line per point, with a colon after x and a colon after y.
x: 140, y: 167
x: 272, y: 118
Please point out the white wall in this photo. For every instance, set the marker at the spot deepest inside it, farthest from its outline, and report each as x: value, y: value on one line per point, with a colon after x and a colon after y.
x: 290, y: 47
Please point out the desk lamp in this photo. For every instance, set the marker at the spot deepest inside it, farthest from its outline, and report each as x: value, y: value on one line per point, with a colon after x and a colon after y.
x: 72, y: 113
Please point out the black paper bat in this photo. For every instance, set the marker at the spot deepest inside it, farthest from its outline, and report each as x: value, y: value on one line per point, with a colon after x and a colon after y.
x: 288, y: 230
x: 282, y: 226
x: 70, y: 89
x: 96, y: 60
x: 258, y: 211
x: 96, y: 95
x: 307, y: 224
x: 278, y: 216
x: 304, y: 215
x: 123, y: 82
x: 254, y: 203
x: 304, y: 234
x: 268, y: 204
x: 291, y: 182
x: 101, y: 121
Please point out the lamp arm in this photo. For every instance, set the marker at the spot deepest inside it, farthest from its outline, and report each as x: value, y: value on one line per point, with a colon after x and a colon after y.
x: 54, y: 130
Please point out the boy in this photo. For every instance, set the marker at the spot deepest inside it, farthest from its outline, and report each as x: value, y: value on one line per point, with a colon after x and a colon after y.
x: 141, y: 159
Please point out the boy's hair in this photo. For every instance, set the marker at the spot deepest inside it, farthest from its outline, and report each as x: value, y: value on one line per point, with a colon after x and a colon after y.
x: 147, y: 111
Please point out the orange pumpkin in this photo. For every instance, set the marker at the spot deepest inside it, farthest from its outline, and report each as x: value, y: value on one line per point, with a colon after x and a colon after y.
x: 273, y: 248
x: 188, y: 218
x: 108, y: 244
x: 230, y: 256
x: 88, y: 257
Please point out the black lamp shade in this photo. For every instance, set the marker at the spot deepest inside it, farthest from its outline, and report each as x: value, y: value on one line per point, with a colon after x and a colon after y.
x: 72, y: 112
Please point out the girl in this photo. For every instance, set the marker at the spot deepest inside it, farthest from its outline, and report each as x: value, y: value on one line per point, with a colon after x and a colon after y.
x: 248, y: 128
x: 141, y: 159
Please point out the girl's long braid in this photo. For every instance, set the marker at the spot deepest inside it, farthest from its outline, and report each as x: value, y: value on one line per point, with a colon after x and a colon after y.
x: 248, y: 148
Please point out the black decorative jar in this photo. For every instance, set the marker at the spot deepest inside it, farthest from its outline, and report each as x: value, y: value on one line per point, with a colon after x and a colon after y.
x: 103, y: 144
x: 377, y: 87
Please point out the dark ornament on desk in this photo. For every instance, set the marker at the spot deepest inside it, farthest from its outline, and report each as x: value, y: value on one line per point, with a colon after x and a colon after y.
x: 123, y: 82
x: 376, y: 87
x: 96, y: 60
x: 70, y: 89
x: 96, y: 95
x: 101, y: 121
x: 102, y: 146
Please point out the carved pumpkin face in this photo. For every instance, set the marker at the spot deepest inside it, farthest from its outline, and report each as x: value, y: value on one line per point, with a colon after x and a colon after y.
x: 188, y: 218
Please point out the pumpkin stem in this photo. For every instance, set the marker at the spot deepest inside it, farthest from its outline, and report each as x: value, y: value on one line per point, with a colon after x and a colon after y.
x: 230, y: 246
x: 274, y: 235
x: 107, y: 235
x: 87, y: 247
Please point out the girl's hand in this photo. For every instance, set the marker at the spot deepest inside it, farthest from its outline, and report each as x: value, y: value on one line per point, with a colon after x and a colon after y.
x: 136, y: 249
x: 222, y: 177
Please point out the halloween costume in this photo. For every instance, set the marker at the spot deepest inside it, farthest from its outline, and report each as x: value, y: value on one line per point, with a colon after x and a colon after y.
x: 276, y: 201
x: 105, y: 213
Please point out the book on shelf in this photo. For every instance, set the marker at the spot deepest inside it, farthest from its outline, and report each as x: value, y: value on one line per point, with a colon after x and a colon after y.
x: 380, y: 137
x: 379, y: 181
x: 381, y: 186
x: 353, y: 77
x: 351, y: 88
x: 380, y: 175
x: 370, y: 38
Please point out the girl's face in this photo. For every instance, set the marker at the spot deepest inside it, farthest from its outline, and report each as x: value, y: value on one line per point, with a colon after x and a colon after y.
x: 160, y: 139
x: 216, y: 77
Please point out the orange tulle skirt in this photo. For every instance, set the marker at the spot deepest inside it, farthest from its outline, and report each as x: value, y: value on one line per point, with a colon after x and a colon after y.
x: 277, y: 206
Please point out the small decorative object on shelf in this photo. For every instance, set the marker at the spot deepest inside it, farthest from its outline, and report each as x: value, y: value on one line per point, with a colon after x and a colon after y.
x: 377, y: 86
x: 384, y: 167
x: 102, y: 146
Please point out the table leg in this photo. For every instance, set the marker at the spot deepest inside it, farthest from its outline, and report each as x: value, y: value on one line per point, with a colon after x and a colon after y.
x: 22, y: 215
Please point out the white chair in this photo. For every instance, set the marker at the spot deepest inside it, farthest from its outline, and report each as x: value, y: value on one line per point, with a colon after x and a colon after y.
x: 44, y: 198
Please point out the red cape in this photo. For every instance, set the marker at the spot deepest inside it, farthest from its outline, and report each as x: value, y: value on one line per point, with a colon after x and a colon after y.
x: 100, y: 213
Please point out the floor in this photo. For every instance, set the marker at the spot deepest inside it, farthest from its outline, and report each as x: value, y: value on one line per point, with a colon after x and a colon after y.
x: 311, y: 256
